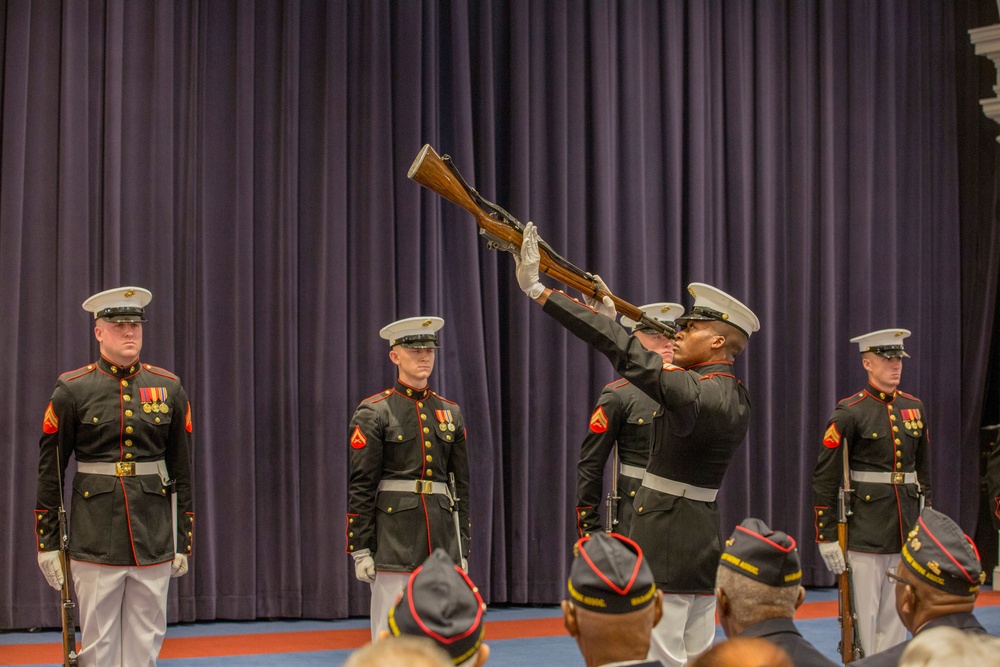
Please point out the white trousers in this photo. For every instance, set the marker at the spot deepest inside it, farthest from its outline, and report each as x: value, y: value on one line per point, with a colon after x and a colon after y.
x: 878, y: 623
x: 123, y: 613
x: 686, y: 629
x: 385, y: 591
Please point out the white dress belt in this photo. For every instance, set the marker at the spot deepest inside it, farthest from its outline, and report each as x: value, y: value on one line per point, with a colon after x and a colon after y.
x: 422, y: 486
x: 680, y: 489
x: 124, y: 468
x: 884, y: 477
x: 635, y: 472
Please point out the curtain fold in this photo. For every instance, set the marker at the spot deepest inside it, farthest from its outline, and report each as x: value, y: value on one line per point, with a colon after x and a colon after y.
x: 825, y: 162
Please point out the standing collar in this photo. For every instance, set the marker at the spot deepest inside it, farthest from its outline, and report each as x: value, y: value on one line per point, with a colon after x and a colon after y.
x: 109, y: 368
x: 409, y: 392
x: 885, y: 397
x: 714, y: 366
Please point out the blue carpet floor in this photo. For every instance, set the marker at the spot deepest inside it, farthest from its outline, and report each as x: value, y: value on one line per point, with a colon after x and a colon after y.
x: 556, y: 649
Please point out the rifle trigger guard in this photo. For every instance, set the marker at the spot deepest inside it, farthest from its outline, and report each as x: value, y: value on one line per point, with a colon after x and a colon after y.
x: 496, y: 243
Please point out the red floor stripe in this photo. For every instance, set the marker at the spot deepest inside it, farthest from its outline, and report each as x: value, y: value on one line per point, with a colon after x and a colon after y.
x: 333, y: 640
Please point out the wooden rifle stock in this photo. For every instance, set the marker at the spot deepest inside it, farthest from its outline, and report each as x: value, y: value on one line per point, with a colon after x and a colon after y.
x: 68, y: 619
x: 846, y: 604
x: 504, y: 232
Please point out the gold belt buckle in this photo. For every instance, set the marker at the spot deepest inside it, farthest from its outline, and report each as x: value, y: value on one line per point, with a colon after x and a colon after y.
x: 897, y: 478
x: 125, y: 469
x: 424, y: 486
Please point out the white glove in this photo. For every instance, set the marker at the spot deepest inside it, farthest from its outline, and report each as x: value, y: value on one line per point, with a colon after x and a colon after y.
x: 48, y: 563
x: 527, y: 263
x: 605, y: 306
x: 833, y: 556
x: 364, y: 565
x: 180, y: 566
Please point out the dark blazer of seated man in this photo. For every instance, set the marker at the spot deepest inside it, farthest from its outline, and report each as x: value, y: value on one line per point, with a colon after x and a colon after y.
x: 758, y: 590
x: 937, y: 582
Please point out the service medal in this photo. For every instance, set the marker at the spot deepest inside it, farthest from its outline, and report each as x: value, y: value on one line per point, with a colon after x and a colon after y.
x: 147, y: 408
x: 156, y: 407
x: 443, y: 426
x: 920, y: 423
x: 451, y: 427
x: 164, y: 408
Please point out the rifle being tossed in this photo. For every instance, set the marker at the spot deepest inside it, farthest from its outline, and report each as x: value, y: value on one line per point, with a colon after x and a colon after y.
x: 504, y: 232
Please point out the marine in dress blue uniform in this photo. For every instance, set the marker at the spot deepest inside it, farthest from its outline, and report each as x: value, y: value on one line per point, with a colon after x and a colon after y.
x: 936, y: 583
x: 622, y: 422
x: 886, y: 432
x: 404, y: 443
x: 706, y: 413
x: 131, y: 523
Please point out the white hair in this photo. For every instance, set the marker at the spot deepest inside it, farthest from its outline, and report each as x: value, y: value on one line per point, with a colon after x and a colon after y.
x: 946, y: 646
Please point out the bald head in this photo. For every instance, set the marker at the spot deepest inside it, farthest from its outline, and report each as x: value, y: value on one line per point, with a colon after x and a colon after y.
x: 744, y: 652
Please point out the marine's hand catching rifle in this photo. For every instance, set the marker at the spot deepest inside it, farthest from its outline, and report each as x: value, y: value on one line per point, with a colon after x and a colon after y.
x: 603, y: 306
x: 527, y: 274
x: 527, y: 263
x: 832, y: 556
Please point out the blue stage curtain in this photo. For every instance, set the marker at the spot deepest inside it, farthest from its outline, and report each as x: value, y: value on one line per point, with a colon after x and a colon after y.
x: 825, y: 162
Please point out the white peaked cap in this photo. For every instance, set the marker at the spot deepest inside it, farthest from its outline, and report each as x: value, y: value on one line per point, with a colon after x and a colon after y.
x: 711, y: 303
x: 416, y: 332
x: 886, y: 343
x: 119, y: 304
x: 662, y: 312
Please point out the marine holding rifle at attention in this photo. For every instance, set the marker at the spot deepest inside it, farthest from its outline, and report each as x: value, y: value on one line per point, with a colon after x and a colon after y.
x: 706, y: 412
x: 408, y: 492
x: 132, y: 518
x: 885, y: 434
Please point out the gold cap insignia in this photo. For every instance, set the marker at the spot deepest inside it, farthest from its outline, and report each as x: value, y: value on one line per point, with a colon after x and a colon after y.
x: 915, y: 544
x: 934, y: 567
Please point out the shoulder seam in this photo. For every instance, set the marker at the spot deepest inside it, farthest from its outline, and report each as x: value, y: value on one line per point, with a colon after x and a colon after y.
x: 157, y: 370
x: 444, y: 399
x: 80, y: 372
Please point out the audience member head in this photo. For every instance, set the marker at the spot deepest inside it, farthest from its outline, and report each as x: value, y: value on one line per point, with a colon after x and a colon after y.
x: 613, y: 602
x: 945, y: 646
x: 399, y: 652
x: 441, y: 603
x: 744, y: 652
x: 939, y: 572
x: 758, y: 577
